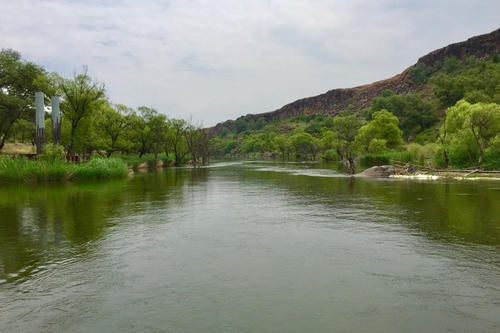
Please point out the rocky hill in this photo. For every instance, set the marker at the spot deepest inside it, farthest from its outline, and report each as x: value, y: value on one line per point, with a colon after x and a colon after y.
x: 334, y: 101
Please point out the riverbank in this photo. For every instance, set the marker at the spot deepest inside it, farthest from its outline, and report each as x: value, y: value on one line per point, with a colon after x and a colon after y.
x: 19, y: 170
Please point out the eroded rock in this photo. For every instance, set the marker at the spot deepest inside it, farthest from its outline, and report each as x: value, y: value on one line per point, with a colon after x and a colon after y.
x: 379, y: 171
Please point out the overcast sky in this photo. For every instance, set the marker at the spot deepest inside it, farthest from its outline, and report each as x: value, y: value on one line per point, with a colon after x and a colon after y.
x: 218, y: 59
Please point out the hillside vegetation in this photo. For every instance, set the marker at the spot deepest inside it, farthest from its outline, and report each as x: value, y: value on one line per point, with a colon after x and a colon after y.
x: 443, y: 112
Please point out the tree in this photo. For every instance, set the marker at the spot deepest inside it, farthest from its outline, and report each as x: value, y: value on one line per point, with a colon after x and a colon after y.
x: 345, y: 128
x: 197, y: 143
x: 19, y: 80
x: 305, y: 143
x: 176, y: 140
x: 23, y: 130
x: 112, y: 122
x: 420, y: 73
x: 413, y: 112
x: 206, y: 148
x: 282, y: 143
x: 240, y: 125
x: 80, y: 96
x: 443, y: 140
x: 149, y: 131
x: 476, y: 82
x: 384, y: 126
x: 480, y: 121
x: 157, y: 135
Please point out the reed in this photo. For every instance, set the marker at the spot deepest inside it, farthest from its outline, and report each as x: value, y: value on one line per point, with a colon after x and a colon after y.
x: 56, y: 170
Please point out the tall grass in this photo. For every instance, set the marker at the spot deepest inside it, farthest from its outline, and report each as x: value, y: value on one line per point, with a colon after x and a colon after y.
x: 30, y: 171
x: 100, y: 168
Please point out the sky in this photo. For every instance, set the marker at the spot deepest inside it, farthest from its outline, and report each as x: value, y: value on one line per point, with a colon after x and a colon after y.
x: 213, y: 60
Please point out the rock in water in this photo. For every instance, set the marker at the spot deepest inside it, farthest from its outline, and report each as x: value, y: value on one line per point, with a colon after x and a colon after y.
x: 378, y: 171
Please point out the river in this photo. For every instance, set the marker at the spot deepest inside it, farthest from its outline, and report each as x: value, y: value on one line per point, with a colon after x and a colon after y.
x: 251, y: 247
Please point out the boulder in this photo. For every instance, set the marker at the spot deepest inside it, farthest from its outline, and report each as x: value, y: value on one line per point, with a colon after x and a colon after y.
x: 379, y: 171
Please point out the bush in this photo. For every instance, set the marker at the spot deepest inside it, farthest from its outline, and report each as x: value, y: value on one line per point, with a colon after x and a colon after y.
x: 52, y: 152
x: 330, y: 155
x: 461, y: 157
x: 420, y: 73
x: 424, y: 155
x: 427, y: 136
x: 386, y: 157
x: 491, y: 160
x: 166, y: 159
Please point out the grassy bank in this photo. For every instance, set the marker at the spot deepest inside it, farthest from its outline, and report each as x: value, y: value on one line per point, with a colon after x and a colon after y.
x: 56, y: 170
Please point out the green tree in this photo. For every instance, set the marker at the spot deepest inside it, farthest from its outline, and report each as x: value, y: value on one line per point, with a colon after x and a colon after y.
x: 81, y: 95
x: 19, y: 80
x: 159, y: 127
x: 450, y: 64
x: 176, y: 140
x: 23, y: 130
x: 197, y: 143
x: 346, y: 128
x: 140, y: 133
x: 282, y: 143
x: 479, y: 121
x: 305, y: 144
x: 240, y: 125
x: 413, y: 112
x: 112, y: 122
x: 475, y: 81
x: 384, y: 126
x: 420, y: 73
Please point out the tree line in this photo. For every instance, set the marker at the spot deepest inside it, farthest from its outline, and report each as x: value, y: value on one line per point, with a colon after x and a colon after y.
x: 91, y: 123
x: 453, y: 120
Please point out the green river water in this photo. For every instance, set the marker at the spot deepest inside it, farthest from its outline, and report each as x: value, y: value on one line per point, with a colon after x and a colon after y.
x: 251, y: 247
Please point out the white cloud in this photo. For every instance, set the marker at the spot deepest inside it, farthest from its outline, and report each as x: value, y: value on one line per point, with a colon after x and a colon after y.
x: 219, y: 59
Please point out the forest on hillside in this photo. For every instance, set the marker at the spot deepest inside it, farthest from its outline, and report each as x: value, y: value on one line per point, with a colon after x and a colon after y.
x: 453, y: 120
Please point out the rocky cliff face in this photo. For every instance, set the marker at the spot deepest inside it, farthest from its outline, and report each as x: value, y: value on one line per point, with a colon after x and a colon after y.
x: 334, y: 101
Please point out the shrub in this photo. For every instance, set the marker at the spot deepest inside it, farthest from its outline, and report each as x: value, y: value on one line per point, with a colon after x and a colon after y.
x: 330, y: 155
x: 52, y: 152
x: 492, y: 160
x: 424, y: 155
x: 420, y: 73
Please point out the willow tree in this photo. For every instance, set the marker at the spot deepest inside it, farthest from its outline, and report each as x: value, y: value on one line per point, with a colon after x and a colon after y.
x: 176, y: 140
x: 383, y: 126
x: 19, y: 80
x: 81, y: 95
x: 346, y: 128
x: 112, y: 122
x: 480, y: 122
x: 198, y: 143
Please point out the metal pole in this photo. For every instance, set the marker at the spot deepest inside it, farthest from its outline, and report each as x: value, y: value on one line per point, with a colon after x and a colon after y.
x: 40, y: 122
x: 56, y: 120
